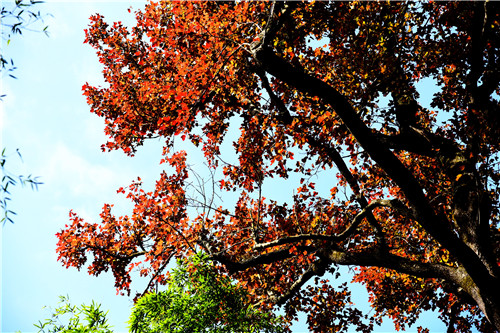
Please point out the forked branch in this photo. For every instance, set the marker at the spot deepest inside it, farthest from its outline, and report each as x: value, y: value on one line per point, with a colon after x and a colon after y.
x: 394, y: 204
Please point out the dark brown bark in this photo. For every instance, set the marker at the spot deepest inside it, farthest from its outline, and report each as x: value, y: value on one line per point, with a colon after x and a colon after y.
x: 477, y: 279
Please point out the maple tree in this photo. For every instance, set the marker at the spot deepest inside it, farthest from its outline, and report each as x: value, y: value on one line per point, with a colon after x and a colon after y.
x: 312, y: 91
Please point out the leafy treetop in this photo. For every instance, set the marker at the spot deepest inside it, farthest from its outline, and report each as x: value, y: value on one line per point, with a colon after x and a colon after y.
x: 199, y: 299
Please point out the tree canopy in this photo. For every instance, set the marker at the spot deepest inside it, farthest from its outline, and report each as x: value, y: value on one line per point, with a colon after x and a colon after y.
x: 322, y: 96
x: 198, y: 299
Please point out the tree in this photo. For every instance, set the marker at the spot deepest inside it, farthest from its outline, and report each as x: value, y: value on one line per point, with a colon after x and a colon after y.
x: 8, y: 179
x: 198, y: 299
x: 68, y: 318
x: 14, y: 20
x: 319, y: 90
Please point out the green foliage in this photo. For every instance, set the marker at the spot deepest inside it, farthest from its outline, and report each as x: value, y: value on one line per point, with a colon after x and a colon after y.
x: 69, y: 318
x: 19, y: 17
x: 199, y: 299
x: 14, y: 19
x: 9, y: 179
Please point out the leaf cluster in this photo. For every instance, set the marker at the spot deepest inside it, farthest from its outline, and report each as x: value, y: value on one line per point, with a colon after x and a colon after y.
x: 67, y: 318
x: 14, y: 20
x: 198, y: 298
x: 9, y: 180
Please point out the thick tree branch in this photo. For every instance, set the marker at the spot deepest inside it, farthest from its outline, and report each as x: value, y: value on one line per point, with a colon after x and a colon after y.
x: 296, y: 239
x: 373, y: 258
x: 436, y: 225
x: 262, y: 259
x: 419, y: 141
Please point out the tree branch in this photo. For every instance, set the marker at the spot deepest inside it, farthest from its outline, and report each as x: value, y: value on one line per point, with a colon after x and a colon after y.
x: 395, y: 204
x: 262, y: 259
x: 158, y: 272
x: 295, y: 239
x: 347, y: 174
x: 371, y: 258
x: 284, y: 114
x: 437, y: 226
x: 317, y: 268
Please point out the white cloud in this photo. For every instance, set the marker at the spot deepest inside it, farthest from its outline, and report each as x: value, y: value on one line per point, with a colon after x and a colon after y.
x: 72, y: 173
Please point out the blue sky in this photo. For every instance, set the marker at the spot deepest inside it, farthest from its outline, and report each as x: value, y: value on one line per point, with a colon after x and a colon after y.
x: 45, y: 115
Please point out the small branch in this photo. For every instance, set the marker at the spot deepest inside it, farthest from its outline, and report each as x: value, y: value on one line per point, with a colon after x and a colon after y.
x: 203, y: 205
x: 454, y: 311
x: 157, y: 273
x: 294, y: 239
x: 394, y: 204
x: 317, y: 269
x: 336, y: 158
x: 115, y: 255
x: 256, y: 224
x: 188, y: 243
